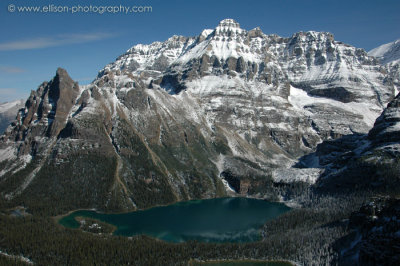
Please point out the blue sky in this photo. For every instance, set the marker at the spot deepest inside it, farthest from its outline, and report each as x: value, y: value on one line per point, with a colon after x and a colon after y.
x: 33, y: 45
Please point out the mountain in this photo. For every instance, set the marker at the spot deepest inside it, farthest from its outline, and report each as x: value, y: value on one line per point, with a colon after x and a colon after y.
x: 387, y: 53
x: 366, y: 161
x: 363, y: 161
x: 227, y: 111
x: 7, y: 113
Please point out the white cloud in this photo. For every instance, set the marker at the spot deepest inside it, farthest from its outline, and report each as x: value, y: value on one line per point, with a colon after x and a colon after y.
x: 57, y: 40
x: 11, y: 69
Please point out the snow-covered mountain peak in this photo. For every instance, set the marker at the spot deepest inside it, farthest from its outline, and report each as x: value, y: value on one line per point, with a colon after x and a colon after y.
x: 228, y: 24
x: 312, y: 61
x: 228, y: 27
x: 226, y: 41
x: 155, y: 57
x: 387, y: 53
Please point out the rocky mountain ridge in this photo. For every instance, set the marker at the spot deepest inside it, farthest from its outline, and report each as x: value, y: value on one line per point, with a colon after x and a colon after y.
x: 228, y: 111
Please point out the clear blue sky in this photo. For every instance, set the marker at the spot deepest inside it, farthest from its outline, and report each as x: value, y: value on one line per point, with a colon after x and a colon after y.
x: 33, y: 45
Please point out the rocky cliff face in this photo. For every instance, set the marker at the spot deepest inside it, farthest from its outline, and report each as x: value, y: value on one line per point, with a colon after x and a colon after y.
x: 49, y: 107
x: 191, y: 117
x: 387, y: 125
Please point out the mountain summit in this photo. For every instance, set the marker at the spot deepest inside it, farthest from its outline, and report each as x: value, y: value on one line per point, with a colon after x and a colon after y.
x: 387, y: 53
x: 228, y: 27
x: 227, y: 111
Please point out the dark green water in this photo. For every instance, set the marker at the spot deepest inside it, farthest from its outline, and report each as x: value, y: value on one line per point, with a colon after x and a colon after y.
x: 212, y: 220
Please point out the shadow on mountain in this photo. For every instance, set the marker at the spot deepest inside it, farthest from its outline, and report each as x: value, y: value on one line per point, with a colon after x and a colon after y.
x: 332, y: 154
x: 352, y: 163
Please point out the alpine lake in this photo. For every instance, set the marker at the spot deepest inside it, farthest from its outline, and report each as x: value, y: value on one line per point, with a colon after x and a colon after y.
x: 210, y: 220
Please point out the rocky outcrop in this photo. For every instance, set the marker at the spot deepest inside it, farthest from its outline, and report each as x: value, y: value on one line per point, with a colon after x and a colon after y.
x: 387, y: 126
x: 63, y: 92
x: 45, y: 113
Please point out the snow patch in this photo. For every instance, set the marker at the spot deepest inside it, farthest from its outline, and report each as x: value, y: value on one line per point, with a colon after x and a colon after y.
x: 4, y: 107
x: 25, y: 159
x: 227, y: 186
x: 8, y: 153
x: 17, y: 257
x: 299, y: 98
x: 289, y: 175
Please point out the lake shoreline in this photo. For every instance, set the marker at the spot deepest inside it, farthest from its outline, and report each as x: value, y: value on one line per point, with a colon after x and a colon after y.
x: 289, y: 203
x: 57, y: 218
x: 201, y: 220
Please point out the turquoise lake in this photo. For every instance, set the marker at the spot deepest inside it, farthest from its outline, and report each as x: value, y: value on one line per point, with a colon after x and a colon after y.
x: 211, y: 220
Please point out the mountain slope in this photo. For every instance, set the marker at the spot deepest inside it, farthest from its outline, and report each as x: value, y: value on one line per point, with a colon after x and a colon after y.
x: 228, y: 111
x: 365, y: 162
x: 7, y: 113
x: 387, y: 53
